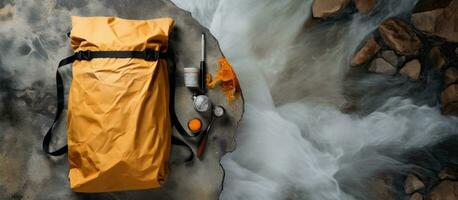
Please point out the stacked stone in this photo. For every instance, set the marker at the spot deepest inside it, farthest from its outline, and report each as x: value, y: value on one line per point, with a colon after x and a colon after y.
x: 428, y: 42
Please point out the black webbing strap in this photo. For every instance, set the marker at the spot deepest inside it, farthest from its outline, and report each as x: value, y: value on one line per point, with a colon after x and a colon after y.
x: 60, y: 108
x: 149, y: 55
x: 173, y: 115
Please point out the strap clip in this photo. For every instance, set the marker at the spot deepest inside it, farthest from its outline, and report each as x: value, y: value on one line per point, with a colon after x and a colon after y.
x: 151, y: 55
x: 83, y: 55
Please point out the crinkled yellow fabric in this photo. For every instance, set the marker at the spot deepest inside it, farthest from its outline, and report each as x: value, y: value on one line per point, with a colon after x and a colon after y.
x: 119, y: 127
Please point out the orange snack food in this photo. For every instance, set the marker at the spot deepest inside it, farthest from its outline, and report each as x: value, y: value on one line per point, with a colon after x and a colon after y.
x: 226, y: 78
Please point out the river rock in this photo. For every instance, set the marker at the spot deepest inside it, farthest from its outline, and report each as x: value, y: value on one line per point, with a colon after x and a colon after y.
x: 426, y: 21
x: 399, y: 36
x: 391, y: 57
x: 381, y: 187
x: 451, y: 109
x: 450, y: 75
x: 412, y: 69
x: 437, y: 60
x: 413, y: 184
x: 326, y: 8
x: 365, y: 6
x: 416, y: 196
x: 450, y: 95
x: 367, y: 51
x: 7, y: 12
x: 427, y: 5
x: 447, y: 190
x: 381, y: 66
x: 439, y: 22
x: 448, y: 173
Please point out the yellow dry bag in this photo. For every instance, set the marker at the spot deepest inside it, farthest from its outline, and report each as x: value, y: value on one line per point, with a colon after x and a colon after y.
x: 119, y: 126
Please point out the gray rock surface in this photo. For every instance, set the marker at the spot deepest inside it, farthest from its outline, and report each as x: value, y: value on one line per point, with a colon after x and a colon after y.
x: 32, y: 41
x: 381, y: 66
x: 391, y: 57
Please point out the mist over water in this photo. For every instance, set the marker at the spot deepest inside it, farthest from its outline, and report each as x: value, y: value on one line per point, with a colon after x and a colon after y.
x: 294, y: 141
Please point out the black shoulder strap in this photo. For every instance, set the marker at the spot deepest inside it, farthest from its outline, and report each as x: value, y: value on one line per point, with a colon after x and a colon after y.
x: 173, y: 115
x: 60, y: 108
x: 88, y: 55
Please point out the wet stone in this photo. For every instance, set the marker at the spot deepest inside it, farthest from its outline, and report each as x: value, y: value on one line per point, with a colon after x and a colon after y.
x: 365, y: 6
x: 450, y: 76
x: 413, y: 184
x: 448, y: 173
x: 327, y: 8
x: 446, y: 190
x: 412, y: 69
x: 381, y: 66
x: 416, y: 196
x: 400, y: 37
x: 391, y: 57
x: 367, y: 51
x: 436, y: 58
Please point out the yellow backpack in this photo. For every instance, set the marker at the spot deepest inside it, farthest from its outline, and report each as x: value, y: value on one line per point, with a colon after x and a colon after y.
x: 119, y: 125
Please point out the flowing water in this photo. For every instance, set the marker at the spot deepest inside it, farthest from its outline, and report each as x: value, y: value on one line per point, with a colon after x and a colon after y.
x: 294, y: 141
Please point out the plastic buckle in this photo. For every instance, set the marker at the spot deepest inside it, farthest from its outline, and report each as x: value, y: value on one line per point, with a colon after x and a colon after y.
x: 151, y: 55
x: 83, y: 55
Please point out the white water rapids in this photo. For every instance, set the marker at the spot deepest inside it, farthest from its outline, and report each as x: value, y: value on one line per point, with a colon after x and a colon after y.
x: 294, y: 142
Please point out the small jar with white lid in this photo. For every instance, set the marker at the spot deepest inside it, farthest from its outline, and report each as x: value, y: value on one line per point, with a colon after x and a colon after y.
x: 191, y: 77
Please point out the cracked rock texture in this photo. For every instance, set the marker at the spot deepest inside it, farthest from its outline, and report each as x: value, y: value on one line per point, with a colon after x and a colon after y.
x: 32, y: 41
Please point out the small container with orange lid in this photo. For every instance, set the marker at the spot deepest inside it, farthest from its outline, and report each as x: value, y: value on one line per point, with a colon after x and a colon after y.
x: 195, y: 125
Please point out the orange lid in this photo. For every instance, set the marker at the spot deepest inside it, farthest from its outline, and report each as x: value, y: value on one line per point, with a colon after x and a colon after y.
x: 195, y: 125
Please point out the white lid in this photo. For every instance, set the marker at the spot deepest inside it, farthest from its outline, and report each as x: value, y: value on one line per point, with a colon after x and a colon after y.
x: 191, y: 70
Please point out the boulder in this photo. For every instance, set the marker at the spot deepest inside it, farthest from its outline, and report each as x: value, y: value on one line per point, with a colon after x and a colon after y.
x: 426, y: 21
x: 381, y: 187
x: 381, y: 66
x: 440, y: 22
x: 326, y: 8
x: 391, y: 57
x: 365, y: 6
x: 399, y: 36
x: 413, y: 184
x: 448, y: 173
x: 451, y: 109
x: 416, y: 196
x: 450, y: 95
x: 450, y: 76
x: 367, y: 51
x: 7, y: 12
x: 412, y: 69
x: 428, y: 5
x: 437, y: 60
x: 447, y: 190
